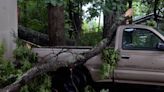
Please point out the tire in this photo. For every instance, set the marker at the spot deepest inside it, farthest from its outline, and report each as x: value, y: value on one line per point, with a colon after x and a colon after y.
x: 66, y: 80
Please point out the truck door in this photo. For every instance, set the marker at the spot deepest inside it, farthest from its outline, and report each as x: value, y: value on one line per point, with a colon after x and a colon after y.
x: 140, y: 59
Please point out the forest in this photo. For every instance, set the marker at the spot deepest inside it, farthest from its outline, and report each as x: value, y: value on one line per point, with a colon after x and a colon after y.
x: 50, y: 23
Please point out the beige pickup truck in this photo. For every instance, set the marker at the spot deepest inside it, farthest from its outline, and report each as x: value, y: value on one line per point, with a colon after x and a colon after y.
x: 141, y: 50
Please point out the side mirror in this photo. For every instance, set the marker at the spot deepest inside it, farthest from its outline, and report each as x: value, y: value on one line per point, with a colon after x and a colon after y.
x: 160, y: 46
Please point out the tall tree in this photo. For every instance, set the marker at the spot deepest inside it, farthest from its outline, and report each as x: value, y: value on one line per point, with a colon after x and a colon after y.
x: 156, y: 2
x: 130, y: 6
x: 112, y: 8
x: 56, y: 25
x: 75, y: 18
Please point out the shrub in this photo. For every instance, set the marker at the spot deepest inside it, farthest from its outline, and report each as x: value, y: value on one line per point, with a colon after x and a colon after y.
x: 91, y: 38
x: 11, y: 71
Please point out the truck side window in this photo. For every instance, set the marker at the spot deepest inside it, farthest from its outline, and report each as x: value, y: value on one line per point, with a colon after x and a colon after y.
x: 139, y: 39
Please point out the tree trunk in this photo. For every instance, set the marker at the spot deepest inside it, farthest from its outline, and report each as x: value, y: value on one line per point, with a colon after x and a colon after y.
x: 25, y: 13
x: 77, y: 26
x: 70, y: 8
x: 108, y: 21
x: 32, y: 36
x: 155, y: 10
x: 110, y: 18
x: 130, y: 6
x: 75, y: 20
x: 56, y: 25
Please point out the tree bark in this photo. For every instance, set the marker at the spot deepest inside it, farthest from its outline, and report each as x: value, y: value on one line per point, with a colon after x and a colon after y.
x: 33, y: 36
x: 108, y: 21
x: 155, y: 10
x: 37, y: 37
x: 110, y: 18
x: 70, y: 8
x: 130, y: 6
x: 56, y: 25
x: 25, y: 13
x: 75, y: 20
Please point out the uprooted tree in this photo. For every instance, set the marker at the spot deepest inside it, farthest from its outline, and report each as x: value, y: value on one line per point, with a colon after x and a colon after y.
x: 56, y: 64
x: 53, y: 65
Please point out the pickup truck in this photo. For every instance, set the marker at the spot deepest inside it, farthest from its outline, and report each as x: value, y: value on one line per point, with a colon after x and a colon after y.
x: 141, y: 57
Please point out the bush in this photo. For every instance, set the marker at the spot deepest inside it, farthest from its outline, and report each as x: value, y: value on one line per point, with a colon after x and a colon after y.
x: 11, y: 71
x: 91, y: 38
x: 8, y: 74
x: 110, y: 58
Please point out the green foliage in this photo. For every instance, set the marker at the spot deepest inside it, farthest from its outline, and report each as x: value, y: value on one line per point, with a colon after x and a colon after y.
x: 161, y: 27
x: 116, y: 6
x: 7, y: 72
x: 40, y: 84
x: 140, y: 9
x: 35, y: 24
x: 91, y: 26
x: 26, y: 59
x: 23, y: 53
x: 103, y: 90
x: 110, y: 58
x: 91, y: 38
x: 33, y: 14
x: 55, y: 2
x: 91, y: 35
x: 89, y: 89
x: 151, y: 23
x: 85, y: 27
x: 144, y: 7
x: 95, y: 9
x: 2, y: 50
x: 24, y: 56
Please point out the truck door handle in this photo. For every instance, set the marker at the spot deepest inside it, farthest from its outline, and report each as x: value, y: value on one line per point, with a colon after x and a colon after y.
x: 125, y: 57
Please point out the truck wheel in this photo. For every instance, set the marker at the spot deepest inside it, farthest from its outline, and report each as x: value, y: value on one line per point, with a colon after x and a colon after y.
x: 66, y: 80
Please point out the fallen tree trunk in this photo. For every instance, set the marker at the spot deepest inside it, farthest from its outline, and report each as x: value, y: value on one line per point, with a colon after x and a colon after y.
x: 33, y: 36
x: 38, y: 38
x: 32, y: 73
x: 54, y: 65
